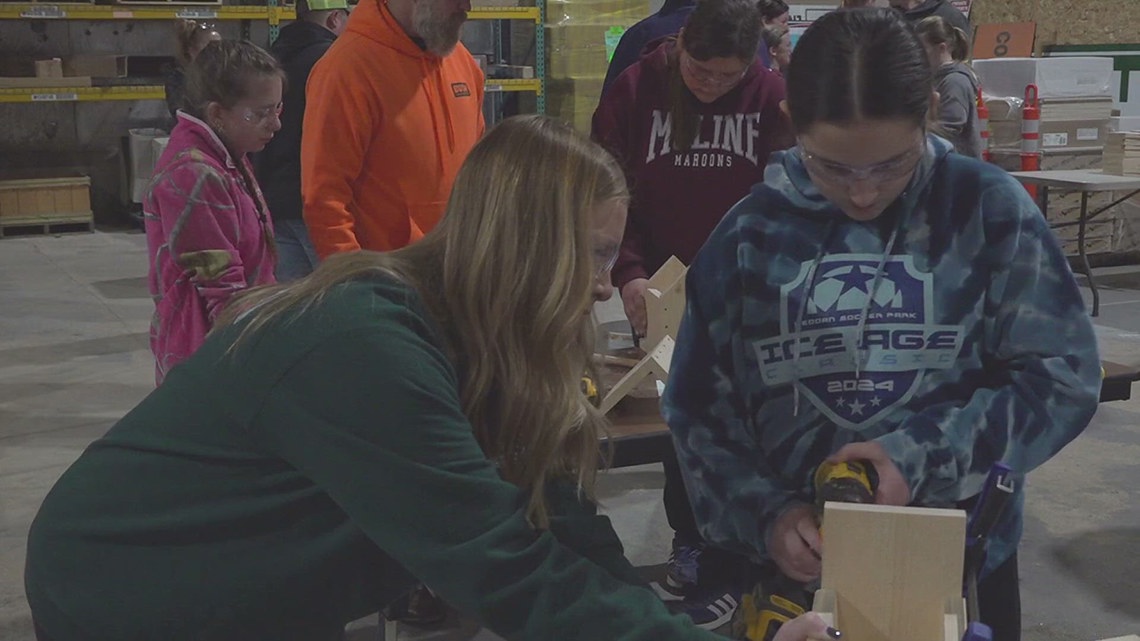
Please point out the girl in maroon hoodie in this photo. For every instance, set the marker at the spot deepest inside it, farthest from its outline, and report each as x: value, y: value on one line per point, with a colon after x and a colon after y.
x: 693, y: 123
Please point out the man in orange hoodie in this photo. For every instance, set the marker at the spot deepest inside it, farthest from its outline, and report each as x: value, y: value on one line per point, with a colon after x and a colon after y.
x: 393, y: 108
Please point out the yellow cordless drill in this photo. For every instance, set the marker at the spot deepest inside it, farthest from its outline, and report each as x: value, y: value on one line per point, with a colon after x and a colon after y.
x: 761, y: 614
x: 847, y: 482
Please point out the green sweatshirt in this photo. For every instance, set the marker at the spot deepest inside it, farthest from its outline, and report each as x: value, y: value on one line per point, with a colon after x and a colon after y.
x: 303, y: 483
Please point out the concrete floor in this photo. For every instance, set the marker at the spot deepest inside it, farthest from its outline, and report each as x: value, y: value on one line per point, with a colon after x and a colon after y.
x: 73, y: 358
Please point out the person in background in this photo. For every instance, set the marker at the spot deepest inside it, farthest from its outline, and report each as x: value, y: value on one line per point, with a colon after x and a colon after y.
x: 298, y: 48
x: 393, y: 415
x: 916, y: 10
x: 394, y: 107
x: 208, y: 230
x: 692, y: 123
x: 772, y: 13
x: 666, y: 22
x: 870, y: 230
x: 778, y: 41
x: 856, y: 4
x: 191, y: 37
x: 957, y: 86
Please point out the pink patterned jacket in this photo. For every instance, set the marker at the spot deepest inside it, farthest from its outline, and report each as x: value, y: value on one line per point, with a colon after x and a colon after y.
x: 208, y: 234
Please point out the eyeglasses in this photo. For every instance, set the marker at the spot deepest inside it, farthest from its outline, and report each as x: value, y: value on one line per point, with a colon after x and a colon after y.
x: 838, y: 173
x: 605, y: 259
x: 708, y: 76
x: 262, y: 115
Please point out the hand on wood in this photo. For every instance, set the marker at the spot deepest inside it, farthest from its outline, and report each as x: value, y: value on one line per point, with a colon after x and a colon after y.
x: 795, y: 545
x: 633, y: 299
x: 805, y: 627
x: 893, y: 488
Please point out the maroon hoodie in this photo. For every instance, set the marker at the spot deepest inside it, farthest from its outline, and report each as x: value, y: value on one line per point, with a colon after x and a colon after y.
x: 679, y: 197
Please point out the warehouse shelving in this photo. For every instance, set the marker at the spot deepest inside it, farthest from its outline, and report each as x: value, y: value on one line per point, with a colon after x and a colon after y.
x: 157, y: 92
x: 271, y: 13
x: 80, y: 94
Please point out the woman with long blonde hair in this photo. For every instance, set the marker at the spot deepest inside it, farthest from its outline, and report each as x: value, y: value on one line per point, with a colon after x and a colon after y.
x: 391, y: 417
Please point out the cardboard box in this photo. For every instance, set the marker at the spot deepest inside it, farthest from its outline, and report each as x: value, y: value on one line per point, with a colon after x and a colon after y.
x: 1057, y: 134
x: 574, y: 99
x: 1060, y: 77
x: 577, y: 50
x: 1072, y: 159
x: 115, y: 66
x: 595, y: 12
x: 49, y: 68
x: 63, y: 199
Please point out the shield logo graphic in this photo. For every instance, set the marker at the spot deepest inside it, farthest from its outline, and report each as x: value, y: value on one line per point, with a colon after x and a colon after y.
x: 863, y: 338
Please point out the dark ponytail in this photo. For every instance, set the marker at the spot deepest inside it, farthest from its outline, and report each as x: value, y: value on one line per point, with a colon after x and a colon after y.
x: 936, y: 31
x: 715, y: 29
x: 859, y: 64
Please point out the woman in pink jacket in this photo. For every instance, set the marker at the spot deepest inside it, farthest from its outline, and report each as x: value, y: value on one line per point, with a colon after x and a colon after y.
x: 208, y: 229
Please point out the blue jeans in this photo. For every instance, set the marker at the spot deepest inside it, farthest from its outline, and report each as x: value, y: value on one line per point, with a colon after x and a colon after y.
x: 296, y: 257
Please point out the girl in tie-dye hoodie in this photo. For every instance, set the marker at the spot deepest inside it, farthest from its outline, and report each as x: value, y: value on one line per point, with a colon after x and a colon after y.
x: 208, y: 229
x: 877, y: 298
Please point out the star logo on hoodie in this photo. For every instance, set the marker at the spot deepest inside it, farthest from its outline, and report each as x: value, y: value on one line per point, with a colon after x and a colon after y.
x: 857, y: 339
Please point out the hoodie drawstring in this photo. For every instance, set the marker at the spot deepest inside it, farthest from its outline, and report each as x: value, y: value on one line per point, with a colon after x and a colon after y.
x: 857, y: 354
x: 808, y: 285
x: 870, y: 296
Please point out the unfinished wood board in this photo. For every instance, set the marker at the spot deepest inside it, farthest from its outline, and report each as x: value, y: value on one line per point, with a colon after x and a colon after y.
x: 893, y: 570
x: 655, y: 363
x: 1064, y: 21
x: 665, y: 301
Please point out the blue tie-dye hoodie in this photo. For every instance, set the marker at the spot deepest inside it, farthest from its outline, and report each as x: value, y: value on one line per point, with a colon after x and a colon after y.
x: 950, y: 330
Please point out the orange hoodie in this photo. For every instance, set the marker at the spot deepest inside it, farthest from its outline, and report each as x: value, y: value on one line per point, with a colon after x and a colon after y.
x: 386, y: 127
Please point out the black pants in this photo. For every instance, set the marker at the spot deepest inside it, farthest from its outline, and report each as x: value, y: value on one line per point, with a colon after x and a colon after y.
x: 719, y: 569
x: 999, y: 599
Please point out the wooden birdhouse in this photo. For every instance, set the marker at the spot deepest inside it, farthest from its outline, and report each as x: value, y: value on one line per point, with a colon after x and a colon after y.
x: 665, y: 302
x: 893, y: 573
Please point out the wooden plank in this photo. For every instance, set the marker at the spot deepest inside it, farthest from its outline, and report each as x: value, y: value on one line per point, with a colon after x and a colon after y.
x: 894, y: 570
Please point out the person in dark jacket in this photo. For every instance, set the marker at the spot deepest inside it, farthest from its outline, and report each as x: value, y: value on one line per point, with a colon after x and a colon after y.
x: 666, y: 22
x: 956, y: 83
x: 773, y: 13
x: 693, y: 123
x: 916, y: 10
x: 298, y: 48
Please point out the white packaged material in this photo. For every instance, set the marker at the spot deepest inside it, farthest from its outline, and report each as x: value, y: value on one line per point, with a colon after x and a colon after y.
x: 1062, y: 77
x: 1124, y: 123
x: 144, y: 155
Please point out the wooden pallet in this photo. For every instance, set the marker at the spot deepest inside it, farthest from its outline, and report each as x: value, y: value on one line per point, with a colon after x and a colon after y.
x: 43, y: 226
